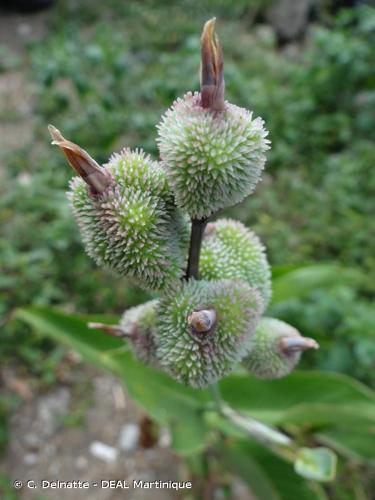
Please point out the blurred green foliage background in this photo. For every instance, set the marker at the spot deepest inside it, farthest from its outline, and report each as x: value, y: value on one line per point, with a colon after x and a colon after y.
x: 105, y: 72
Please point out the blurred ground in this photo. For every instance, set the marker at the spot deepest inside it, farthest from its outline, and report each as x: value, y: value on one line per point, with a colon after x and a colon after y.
x: 55, y: 435
x: 52, y: 435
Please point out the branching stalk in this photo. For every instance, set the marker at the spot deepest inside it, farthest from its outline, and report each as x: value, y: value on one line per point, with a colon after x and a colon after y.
x: 197, y: 230
x: 280, y: 443
x: 215, y: 393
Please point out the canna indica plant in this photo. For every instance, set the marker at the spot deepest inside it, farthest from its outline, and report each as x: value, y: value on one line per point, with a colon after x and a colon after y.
x: 155, y: 221
x: 135, y: 215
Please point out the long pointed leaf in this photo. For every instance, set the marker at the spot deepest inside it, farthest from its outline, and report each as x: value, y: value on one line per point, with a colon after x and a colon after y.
x: 299, y: 282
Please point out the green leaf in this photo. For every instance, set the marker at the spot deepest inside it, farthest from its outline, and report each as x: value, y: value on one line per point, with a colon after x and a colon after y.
x: 252, y: 473
x: 307, y: 401
x: 298, y: 283
x: 268, y: 476
x: 281, y: 270
x: 317, y: 463
x: 163, y: 398
x: 351, y: 442
x: 72, y: 331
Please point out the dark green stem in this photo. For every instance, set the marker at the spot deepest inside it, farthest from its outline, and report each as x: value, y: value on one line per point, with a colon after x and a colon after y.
x: 197, y: 230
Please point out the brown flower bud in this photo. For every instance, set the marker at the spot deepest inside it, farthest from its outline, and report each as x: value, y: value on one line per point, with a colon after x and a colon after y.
x: 113, y: 330
x: 212, y: 69
x: 289, y: 345
x: 85, y: 166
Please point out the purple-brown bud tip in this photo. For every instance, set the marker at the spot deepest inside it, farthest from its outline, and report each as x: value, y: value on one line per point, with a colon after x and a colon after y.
x: 212, y: 69
x: 289, y: 345
x: 113, y: 330
x: 202, y: 321
x: 85, y: 166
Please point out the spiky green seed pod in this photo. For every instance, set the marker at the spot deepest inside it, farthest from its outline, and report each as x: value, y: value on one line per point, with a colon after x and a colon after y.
x: 137, y: 325
x: 231, y: 251
x: 134, y: 222
x: 275, y: 349
x: 129, y: 222
x: 205, y: 329
x: 212, y: 160
x: 213, y: 151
